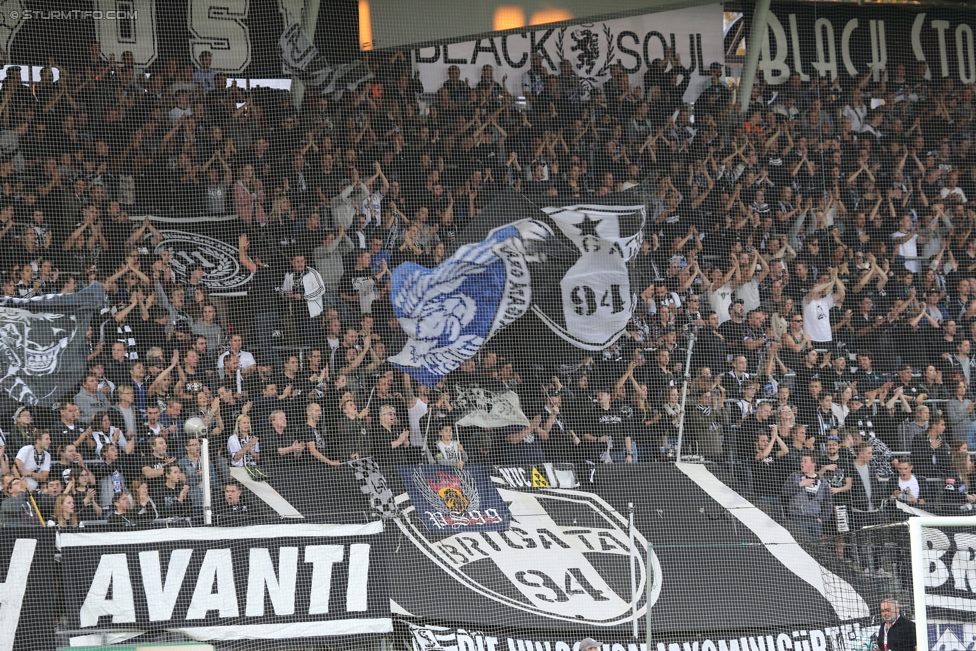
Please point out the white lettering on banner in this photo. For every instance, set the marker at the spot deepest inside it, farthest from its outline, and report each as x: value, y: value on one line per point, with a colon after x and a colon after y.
x: 219, y: 28
x: 950, y: 557
x: 217, y: 567
x: 214, y: 585
x: 161, y: 597
x: 552, y: 566
x: 112, y: 575
x: 13, y: 588
x: 843, y: 638
x: 215, y: 26
x: 632, y: 43
x: 322, y: 558
x: 136, y: 34
x: 863, y: 47
x: 281, y: 589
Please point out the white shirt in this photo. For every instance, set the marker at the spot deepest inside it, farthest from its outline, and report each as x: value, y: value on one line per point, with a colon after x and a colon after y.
x: 234, y: 446
x: 246, y: 359
x: 34, y: 462
x: 721, y: 301
x: 749, y: 293
x: 909, y: 486
x: 816, y: 318
x: 908, y: 249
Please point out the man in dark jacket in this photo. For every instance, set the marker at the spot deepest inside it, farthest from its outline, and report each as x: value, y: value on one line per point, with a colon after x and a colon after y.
x: 897, y: 633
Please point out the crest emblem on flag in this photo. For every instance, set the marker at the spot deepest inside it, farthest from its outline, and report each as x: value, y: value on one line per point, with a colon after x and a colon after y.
x: 455, y: 499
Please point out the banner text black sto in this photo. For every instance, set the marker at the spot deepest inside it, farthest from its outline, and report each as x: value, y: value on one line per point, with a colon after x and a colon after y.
x: 828, y: 41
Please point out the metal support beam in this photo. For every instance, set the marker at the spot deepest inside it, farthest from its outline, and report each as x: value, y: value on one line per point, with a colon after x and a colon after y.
x: 757, y: 33
x: 309, y: 19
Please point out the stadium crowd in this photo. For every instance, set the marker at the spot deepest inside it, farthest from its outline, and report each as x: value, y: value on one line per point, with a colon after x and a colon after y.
x: 816, y: 253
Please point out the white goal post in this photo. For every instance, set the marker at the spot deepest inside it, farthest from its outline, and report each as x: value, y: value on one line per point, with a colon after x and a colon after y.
x: 920, y: 568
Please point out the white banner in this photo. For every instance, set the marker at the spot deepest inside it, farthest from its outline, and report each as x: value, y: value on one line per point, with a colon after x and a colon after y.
x: 633, y: 42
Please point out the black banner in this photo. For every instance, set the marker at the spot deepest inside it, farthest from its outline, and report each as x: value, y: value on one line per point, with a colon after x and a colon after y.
x: 242, y: 36
x: 563, y: 567
x: 259, y: 582
x: 851, y: 636
x: 28, y: 590
x: 834, y: 40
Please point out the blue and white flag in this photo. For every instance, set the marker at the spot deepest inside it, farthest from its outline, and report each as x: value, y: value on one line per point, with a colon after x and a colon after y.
x: 450, y: 311
x: 567, y: 264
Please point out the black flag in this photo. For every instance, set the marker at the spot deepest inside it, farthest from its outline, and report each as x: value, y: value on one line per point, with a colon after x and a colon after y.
x: 42, y: 343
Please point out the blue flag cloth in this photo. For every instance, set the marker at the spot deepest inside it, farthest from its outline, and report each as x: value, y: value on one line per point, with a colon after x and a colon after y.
x: 449, y: 500
x: 450, y: 311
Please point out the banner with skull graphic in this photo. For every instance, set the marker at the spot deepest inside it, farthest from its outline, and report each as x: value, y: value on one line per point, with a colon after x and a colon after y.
x: 42, y: 343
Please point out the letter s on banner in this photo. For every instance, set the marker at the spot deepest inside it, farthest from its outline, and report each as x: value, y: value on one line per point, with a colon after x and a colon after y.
x: 220, y: 29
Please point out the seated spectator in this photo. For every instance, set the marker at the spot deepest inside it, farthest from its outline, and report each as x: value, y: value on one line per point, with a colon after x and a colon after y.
x: 173, y: 494
x: 121, y: 515
x: 233, y: 510
x: 44, y: 498
x: 144, y: 509
x: 64, y: 515
x: 16, y: 509
x: 34, y: 461
x: 82, y: 486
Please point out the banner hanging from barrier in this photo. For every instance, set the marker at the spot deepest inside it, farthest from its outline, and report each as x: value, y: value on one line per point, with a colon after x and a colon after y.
x: 212, y: 584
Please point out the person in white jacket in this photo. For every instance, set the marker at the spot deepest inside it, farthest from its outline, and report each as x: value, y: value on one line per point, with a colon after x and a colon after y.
x: 304, y: 283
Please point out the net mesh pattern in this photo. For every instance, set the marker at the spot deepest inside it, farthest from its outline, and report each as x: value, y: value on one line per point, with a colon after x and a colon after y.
x: 485, y: 343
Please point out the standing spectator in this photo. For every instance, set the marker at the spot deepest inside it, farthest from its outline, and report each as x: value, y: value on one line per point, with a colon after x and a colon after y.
x: 816, y: 307
x: 204, y: 77
x: 304, y: 283
x: 807, y: 498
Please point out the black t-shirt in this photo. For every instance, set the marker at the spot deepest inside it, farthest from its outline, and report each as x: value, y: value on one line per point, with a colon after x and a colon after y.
x: 271, y: 440
x: 263, y: 292
x: 323, y: 442
x: 837, y: 477
x: 352, y: 438
x: 65, y: 434
x: 769, y: 473
x: 611, y: 422
x: 748, y: 432
x: 168, y: 501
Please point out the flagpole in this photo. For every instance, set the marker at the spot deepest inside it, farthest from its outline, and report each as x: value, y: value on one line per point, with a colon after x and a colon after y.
x: 684, y: 396
x: 633, y: 569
